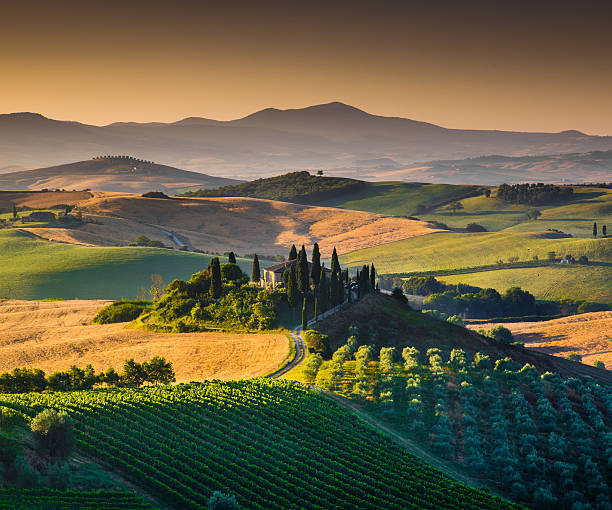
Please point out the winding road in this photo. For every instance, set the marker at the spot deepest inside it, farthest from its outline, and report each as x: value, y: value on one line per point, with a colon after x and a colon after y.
x: 300, y: 353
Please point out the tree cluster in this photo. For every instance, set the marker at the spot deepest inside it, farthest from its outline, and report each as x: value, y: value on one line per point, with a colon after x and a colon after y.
x: 24, y: 380
x: 534, y: 194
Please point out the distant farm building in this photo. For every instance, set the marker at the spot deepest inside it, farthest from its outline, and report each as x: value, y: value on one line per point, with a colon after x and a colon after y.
x: 273, y: 275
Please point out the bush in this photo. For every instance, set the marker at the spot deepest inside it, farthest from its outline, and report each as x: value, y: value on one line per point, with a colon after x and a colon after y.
x: 53, y: 433
x: 455, y: 319
x: 500, y: 333
x: 422, y: 285
x: 121, y: 311
x: 575, y: 357
x: 316, y: 342
x: 221, y: 501
x: 475, y: 227
x: 599, y: 364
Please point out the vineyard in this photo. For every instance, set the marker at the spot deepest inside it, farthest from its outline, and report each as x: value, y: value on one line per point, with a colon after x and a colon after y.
x: 273, y: 444
x: 541, y: 439
x: 43, y: 499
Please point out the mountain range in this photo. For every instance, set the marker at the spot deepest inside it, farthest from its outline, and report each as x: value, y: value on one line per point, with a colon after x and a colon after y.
x: 334, y: 137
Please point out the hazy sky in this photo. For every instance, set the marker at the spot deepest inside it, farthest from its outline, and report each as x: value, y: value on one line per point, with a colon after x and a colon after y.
x: 514, y: 65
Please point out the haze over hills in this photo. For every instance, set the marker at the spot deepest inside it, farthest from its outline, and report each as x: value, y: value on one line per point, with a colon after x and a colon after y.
x: 329, y: 136
x: 123, y: 174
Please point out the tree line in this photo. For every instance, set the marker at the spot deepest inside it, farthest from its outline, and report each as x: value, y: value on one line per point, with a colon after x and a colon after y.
x: 24, y: 380
x: 534, y: 193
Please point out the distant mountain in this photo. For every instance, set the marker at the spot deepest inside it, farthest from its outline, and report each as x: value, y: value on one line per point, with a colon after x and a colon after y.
x: 329, y: 136
x: 122, y: 174
x: 593, y: 166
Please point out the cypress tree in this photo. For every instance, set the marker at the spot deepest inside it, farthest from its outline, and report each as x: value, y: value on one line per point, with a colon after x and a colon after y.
x: 316, y: 306
x: 372, y: 278
x: 595, y: 229
x: 315, y: 272
x: 364, y: 280
x: 340, y: 291
x: 323, y: 291
x: 292, y: 289
x: 231, y: 258
x: 293, y: 253
x: 286, y: 278
x: 358, y: 284
x: 333, y: 289
x: 604, y: 230
x: 256, y: 275
x: 335, y: 263
x: 14, y: 211
x: 303, y: 278
x: 215, y: 278
x: 304, y: 316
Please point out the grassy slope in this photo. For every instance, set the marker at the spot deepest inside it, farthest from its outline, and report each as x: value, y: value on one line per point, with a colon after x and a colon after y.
x: 590, y: 283
x: 34, y: 269
x: 240, y: 438
x: 575, y: 217
x: 398, y: 198
x: 454, y: 250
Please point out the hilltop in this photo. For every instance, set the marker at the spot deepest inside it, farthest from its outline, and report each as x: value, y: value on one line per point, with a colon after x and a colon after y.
x: 329, y: 136
x: 120, y: 174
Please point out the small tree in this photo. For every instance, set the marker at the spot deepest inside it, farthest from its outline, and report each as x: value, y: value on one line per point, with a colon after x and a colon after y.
x: 215, y: 278
x: 533, y: 214
x: 335, y: 263
x: 53, y: 433
x: 595, y: 229
x: 133, y: 373
x: 455, y: 206
x: 372, y: 278
x: 488, y: 193
x: 157, y: 286
x: 599, y: 364
x: 158, y: 370
x: 231, y: 257
x: 604, y: 230
x: 293, y: 253
x: 221, y: 501
x: 256, y: 275
x: 303, y: 278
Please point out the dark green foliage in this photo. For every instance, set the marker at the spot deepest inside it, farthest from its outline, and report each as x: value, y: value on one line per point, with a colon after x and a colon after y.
x: 293, y: 254
x: 595, y: 229
x: 256, y: 275
x: 158, y: 371
x: 215, y: 278
x: 500, y: 333
x: 221, y: 501
x: 422, y: 286
x: 604, y: 230
x: 121, y: 311
x: 231, y: 257
x: 53, y: 433
x: 232, y: 273
x: 534, y: 194
x: 22, y: 380
x: 333, y: 289
x: 323, y: 292
x: 315, y: 271
x: 300, y: 187
x: 364, y: 280
x: 316, y: 342
x: 398, y: 295
x: 145, y: 241
x: 292, y: 288
x: 46, y: 499
x: 303, y: 277
x: 133, y: 373
x: 372, y: 278
x: 475, y: 227
x: 335, y: 263
x: 304, y: 316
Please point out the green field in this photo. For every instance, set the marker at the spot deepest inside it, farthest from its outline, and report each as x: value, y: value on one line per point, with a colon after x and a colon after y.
x: 35, y: 269
x: 273, y: 444
x: 575, y: 217
x: 589, y: 283
x: 450, y: 250
x: 398, y: 198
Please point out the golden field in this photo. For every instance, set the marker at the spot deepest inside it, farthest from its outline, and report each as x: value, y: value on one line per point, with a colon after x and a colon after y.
x: 52, y: 335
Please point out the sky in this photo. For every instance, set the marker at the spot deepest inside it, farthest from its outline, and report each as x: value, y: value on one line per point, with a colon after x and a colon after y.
x: 510, y: 65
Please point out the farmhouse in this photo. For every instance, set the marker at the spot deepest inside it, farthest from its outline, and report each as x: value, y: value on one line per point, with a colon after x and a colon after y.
x: 273, y: 275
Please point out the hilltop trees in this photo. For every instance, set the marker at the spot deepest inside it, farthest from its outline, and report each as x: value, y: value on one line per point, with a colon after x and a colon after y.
x: 256, y: 274
x: 534, y: 194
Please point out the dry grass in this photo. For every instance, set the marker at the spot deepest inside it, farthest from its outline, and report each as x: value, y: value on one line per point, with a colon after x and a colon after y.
x: 587, y: 334
x: 43, y: 200
x: 244, y: 225
x: 54, y: 335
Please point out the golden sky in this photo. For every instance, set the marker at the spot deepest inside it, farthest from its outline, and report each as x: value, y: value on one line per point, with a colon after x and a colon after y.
x: 531, y: 66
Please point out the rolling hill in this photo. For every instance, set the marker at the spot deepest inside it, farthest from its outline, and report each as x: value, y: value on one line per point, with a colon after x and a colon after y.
x: 244, y: 225
x: 53, y: 335
x: 329, y: 136
x: 35, y: 269
x: 123, y: 174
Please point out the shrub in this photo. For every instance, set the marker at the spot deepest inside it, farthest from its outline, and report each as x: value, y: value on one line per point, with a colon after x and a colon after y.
x: 599, y: 364
x: 455, y: 319
x: 316, y: 342
x: 53, y: 433
x: 500, y: 333
x: 575, y: 357
x: 121, y: 311
x: 475, y: 227
x: 221, y: 501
